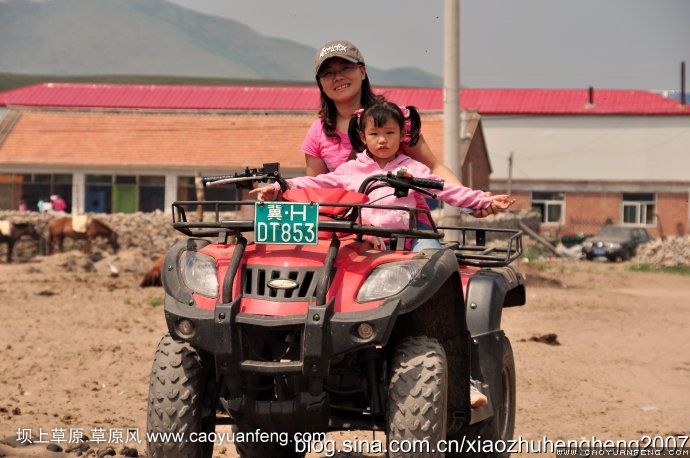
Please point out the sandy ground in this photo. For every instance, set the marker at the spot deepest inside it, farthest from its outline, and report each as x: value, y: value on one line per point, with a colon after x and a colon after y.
x: 77, y: 344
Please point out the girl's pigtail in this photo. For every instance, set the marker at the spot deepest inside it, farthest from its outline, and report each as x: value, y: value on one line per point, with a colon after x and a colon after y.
x: 415, y: 126
x: 353, y: 134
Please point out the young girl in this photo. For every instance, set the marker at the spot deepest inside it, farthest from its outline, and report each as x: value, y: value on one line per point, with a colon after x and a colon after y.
x: 377, y: 133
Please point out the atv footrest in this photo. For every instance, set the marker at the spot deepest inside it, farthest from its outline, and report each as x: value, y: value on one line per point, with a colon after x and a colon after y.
x: 271, y: 367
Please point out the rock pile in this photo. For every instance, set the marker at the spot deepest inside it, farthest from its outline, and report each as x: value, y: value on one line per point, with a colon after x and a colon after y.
x: 668, y: 252
x: 152, y: 233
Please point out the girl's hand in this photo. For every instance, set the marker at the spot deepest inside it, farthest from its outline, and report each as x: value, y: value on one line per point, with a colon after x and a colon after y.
x: 501, y: 202
x: 264, y: 193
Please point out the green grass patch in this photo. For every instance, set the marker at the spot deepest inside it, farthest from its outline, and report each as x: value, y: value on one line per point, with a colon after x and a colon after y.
x: 156, y: 301
x: 683, y: 270
x: 532, y: 254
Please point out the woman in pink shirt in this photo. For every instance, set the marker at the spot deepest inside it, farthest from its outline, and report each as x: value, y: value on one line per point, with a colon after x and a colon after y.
x: 345, y: 88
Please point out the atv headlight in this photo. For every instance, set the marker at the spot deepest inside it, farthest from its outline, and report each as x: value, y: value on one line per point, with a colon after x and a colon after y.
x: 389, y: 279
x: 587, y: 245
x: 613, y: 245
x: 198, y: 272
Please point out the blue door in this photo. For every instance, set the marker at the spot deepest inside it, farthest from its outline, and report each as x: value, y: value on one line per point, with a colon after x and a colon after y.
x: 95, y: 201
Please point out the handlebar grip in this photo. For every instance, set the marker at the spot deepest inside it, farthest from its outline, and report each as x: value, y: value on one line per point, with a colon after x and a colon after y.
x: 427, y: 183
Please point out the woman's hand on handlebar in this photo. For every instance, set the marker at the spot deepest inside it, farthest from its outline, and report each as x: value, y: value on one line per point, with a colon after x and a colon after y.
x: 264, y: 193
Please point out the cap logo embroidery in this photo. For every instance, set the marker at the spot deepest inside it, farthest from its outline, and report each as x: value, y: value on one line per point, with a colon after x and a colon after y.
x: 333, y: 48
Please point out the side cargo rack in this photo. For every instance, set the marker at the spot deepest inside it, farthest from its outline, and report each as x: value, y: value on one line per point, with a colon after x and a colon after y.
x: 472, y: 249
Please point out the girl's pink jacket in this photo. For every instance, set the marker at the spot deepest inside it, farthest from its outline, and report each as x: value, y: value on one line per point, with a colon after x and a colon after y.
x: 351, y: 174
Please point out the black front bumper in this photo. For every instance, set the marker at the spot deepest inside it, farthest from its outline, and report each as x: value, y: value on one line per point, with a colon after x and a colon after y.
x: 325, y: 334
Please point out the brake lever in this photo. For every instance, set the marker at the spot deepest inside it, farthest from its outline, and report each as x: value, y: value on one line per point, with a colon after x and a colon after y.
x: 423, y: 191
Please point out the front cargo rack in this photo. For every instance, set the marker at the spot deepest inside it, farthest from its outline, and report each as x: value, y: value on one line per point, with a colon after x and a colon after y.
x: 487, y: 248
x: 224, y: 218
x: 504, y: 247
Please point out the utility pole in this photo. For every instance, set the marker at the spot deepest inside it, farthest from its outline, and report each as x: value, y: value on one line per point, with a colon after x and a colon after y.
x: 510, y: 173
x: 451, y: 98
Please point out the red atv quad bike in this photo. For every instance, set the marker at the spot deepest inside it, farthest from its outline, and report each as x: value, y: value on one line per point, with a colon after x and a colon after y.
x: 310, y: 329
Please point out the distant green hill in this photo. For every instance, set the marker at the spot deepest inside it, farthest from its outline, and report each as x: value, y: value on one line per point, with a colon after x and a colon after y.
x: 154, y: 37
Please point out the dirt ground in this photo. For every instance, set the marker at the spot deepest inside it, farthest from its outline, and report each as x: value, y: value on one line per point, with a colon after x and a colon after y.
x: 77, y: 344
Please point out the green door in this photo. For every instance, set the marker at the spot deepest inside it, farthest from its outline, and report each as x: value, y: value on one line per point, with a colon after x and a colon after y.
x: 124, y: 198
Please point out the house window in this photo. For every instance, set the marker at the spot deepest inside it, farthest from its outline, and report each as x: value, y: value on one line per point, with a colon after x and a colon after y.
x: 550, y: 205
x: 639, y: 209
x: 98, y: 196
x: 151, y: 193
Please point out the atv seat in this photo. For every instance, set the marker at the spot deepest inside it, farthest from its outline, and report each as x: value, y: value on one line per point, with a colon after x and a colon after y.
x: 327, y: 212
x: 332, y: 195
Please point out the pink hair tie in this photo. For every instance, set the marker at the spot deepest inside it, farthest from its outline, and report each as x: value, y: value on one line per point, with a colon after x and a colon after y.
x: 358, y: 113
x: 407, y: 124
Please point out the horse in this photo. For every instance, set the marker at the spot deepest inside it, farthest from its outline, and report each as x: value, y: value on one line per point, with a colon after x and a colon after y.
x: 154, y: 274
x: 59, y: 228
x: 17, y: 231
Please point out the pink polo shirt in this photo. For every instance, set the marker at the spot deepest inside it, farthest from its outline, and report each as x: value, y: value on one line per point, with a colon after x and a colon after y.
x: 333, y: 153
x: 317, y: 144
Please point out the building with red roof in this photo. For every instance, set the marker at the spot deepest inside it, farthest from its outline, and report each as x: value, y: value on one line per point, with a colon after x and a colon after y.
x: 306, y: 98
x: 581, y: 156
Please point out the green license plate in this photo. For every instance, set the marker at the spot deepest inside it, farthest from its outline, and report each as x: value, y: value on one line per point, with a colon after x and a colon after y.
x: 289, y: 223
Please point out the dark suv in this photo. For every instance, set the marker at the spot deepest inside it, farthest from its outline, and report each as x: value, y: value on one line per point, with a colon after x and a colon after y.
x: 617, y: 243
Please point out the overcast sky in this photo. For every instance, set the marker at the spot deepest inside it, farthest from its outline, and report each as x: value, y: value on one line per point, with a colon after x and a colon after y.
x: 618, y: 44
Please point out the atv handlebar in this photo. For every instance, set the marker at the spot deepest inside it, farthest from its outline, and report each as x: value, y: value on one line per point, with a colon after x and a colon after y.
x: 230, y: 179
x: 269, y: 172
x: 401, y: 182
